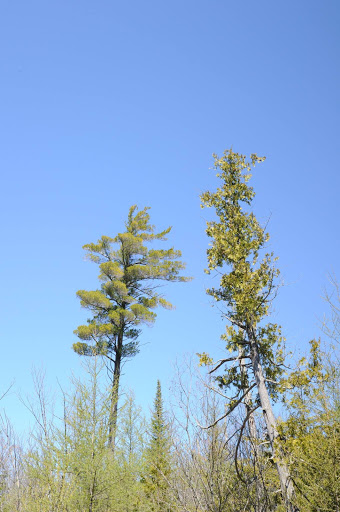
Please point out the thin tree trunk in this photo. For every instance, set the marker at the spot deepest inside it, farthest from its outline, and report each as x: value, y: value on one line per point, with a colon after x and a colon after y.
x: 113, y: 416
x: 252, y: 431
x: 248, y: 405
x: 286, y: 483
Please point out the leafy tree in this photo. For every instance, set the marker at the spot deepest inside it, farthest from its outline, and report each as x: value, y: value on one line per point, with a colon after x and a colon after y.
x: 331, y: 326
x: 130, y: 275
x: 91, y: 465
x: 131, y: 430
x: 11, y: 470
x: 45, y: 462
x: 131, y: 437
x: 157, y: 462
x: 311, y: 433
x: 68, y: 465
x: 246, y: 291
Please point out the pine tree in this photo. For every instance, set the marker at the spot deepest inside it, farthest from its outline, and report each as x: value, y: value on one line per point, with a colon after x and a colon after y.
x: 130, y: 275
x: 157, y: 467
x: 246, y: 291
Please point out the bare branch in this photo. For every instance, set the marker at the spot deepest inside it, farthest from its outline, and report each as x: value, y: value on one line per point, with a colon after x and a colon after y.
x: 217, y: 391
x: 231, y: 408
x: 222, y: 361
x: 7, y: 390
x: 272, y: 381
x: 239, y: 441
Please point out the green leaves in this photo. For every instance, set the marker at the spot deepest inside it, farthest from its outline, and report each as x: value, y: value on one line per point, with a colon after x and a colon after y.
x: 237, y: 239
x: 311, y: 434
x: 247, y: 281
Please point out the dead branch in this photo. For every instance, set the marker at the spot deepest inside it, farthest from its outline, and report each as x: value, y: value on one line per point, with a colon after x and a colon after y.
x: 239, y: 441
x: 230, y: 410
x: 222, y: 361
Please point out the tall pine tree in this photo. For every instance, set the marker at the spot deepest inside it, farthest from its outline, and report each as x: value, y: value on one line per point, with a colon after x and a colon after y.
x: 130, y: 273
x: 157, y: 466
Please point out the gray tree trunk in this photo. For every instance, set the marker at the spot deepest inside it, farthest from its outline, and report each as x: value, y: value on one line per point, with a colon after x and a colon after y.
x: 287, y: 487
x: 258, y: 507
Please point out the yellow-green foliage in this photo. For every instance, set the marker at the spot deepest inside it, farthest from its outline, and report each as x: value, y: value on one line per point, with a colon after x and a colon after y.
x: 311, y: 434
x: 237, y: 240
x: 247, y: 281
x: 157, y: 465
x: 128, y: 272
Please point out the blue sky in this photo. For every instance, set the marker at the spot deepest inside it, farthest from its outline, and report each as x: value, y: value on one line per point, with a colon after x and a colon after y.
x: 107, y: 104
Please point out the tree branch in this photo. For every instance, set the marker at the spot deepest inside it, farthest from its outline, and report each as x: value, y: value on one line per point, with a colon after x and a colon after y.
x: 222, y: 361
x: 7, y: 390
x: 230, y: 410
x: 239, y: 441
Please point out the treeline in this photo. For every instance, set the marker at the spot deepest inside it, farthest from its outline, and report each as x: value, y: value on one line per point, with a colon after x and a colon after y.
x: 221, y: 447
x: 172, y: 462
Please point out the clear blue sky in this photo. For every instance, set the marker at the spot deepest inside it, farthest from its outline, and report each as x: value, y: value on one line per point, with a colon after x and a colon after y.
x: 105, y: 104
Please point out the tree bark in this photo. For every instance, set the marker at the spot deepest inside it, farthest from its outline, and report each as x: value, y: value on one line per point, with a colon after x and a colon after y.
x: 252, y: 432
x: 248, y: 405
x: 287, y: 487
x: 113, y: 416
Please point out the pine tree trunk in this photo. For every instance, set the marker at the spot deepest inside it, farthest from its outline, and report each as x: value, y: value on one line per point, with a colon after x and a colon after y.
x: 286, y: 483
x: 113, y: 416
